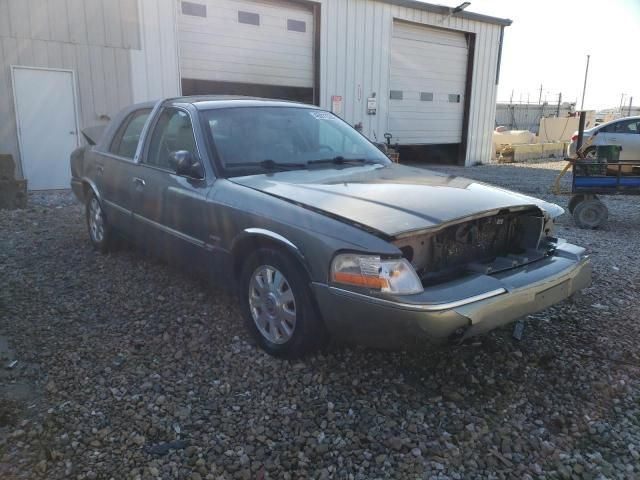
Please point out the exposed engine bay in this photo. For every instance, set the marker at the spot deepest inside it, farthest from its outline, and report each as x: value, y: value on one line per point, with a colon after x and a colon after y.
x: 485, y: 245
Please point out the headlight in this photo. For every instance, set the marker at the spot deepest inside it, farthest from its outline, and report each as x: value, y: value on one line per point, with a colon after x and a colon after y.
x: 368, y: 271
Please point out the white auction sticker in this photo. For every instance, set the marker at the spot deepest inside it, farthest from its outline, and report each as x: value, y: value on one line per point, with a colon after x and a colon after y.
x: 322, y: 115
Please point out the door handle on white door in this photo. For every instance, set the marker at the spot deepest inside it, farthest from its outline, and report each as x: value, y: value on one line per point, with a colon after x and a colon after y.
x: 139, y: 181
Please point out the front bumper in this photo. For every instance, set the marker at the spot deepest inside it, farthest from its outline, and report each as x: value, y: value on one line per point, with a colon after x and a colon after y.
x: 464, y: 308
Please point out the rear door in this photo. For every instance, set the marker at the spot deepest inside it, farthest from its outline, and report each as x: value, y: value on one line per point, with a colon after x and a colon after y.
x: 170, y: 214
x: 116, y: 170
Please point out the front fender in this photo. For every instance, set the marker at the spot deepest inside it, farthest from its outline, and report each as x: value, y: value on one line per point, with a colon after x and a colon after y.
x: 249, y: 237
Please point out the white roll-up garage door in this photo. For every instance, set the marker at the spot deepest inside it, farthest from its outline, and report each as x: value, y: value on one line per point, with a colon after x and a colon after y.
x: 247, y: 41
x: 428, y: 79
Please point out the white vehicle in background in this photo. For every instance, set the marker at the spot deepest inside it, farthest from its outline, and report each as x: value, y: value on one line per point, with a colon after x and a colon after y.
x: 623, y: 132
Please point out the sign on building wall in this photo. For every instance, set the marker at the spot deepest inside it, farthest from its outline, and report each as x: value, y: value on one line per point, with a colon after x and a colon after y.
x: 336, y: 104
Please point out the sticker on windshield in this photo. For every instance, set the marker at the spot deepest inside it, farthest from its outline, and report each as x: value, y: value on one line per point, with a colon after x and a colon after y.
x: 322, y: 115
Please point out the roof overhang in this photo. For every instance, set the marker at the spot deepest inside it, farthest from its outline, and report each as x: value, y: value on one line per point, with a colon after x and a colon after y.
x: 443, y: 10
x: 430, y: 7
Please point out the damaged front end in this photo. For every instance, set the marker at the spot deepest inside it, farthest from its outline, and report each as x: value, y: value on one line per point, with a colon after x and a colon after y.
x: 477, y: 273
x: 486, y: 244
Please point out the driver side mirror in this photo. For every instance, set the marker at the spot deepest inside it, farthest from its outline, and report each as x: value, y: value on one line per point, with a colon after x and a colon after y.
x: 184, y: 164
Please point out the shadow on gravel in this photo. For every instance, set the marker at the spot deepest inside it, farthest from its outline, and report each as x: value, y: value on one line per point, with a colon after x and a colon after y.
x: 9, y: 411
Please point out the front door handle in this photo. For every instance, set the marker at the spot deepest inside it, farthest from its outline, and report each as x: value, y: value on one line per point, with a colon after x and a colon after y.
x: 100, y: 169
x: 139, y: 181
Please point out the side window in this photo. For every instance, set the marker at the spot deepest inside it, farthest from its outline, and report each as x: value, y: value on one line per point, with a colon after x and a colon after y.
x: 628, y: 126
x: 632, y: 127
x: 127, y: 137
x: 173, y: 132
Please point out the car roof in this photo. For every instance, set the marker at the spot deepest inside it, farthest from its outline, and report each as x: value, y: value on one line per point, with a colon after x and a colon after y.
x: 615, y: 121
x: 208, y: 102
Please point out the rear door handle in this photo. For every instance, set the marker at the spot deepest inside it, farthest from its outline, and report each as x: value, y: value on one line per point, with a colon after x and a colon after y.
x: 139, y: 181
x: 100, y: 169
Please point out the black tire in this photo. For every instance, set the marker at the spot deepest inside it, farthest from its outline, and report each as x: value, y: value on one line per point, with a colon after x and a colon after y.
x: 590, y: 214
x: 575, y: 200
x: 273, y: 305
x: 100, y: 234
x: 591, y: 153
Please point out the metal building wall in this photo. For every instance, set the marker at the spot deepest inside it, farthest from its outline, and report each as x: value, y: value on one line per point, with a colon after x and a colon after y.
x: 155, y: 69
x: 127, y: 50
x: 355, y: 61
x: 355, y: 51
x: 91, y: 37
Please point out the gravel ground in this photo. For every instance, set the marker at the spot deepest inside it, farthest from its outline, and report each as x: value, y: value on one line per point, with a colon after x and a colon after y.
x: 129, y: 369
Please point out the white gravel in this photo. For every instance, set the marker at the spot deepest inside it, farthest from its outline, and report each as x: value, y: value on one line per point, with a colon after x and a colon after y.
x: 129, y: 369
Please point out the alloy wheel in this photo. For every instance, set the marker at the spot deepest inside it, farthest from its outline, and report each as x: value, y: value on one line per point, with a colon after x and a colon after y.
x: 96, y: 221
x: 272, y: 304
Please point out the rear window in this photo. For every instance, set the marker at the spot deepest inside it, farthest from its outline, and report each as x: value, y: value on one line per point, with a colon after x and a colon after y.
x: 125, y: 142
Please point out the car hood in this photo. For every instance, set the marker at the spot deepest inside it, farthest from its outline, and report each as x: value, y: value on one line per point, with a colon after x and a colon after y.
x: 392, y: 199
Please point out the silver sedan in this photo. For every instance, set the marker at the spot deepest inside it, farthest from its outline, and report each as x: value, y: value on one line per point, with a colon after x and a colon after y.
x: 624, y: 132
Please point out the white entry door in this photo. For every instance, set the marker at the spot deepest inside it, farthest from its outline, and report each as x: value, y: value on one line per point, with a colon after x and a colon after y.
x: 47, y: 126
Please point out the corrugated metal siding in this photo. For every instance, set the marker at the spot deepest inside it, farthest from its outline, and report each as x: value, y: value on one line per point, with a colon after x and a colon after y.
x: 355, y: 63
x: 155, y: 70
x: 111, y: 23
x: 90, y: 37
x: 218, y: 47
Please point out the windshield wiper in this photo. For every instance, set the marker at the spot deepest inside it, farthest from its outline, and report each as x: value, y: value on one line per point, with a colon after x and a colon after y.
x: 270, y: 165
x: 340, y: 160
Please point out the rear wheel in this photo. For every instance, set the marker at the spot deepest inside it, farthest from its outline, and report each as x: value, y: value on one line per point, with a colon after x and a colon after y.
x: 590, y: 214
x: 99, y: 230
x: 278, y: 305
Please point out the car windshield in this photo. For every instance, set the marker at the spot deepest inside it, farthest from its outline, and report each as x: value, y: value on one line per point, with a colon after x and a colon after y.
x: 258, y: 139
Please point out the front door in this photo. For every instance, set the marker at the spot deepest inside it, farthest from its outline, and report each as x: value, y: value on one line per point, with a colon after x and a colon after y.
x: 170, y: 210
x: 47, y: 128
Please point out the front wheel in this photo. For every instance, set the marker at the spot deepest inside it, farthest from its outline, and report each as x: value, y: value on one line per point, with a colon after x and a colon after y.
x: 278, y: 305
x: 99, y: 229
x: 591, y: 153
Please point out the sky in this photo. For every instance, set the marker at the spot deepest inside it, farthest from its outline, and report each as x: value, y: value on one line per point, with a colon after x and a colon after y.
x: 548, y: 44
